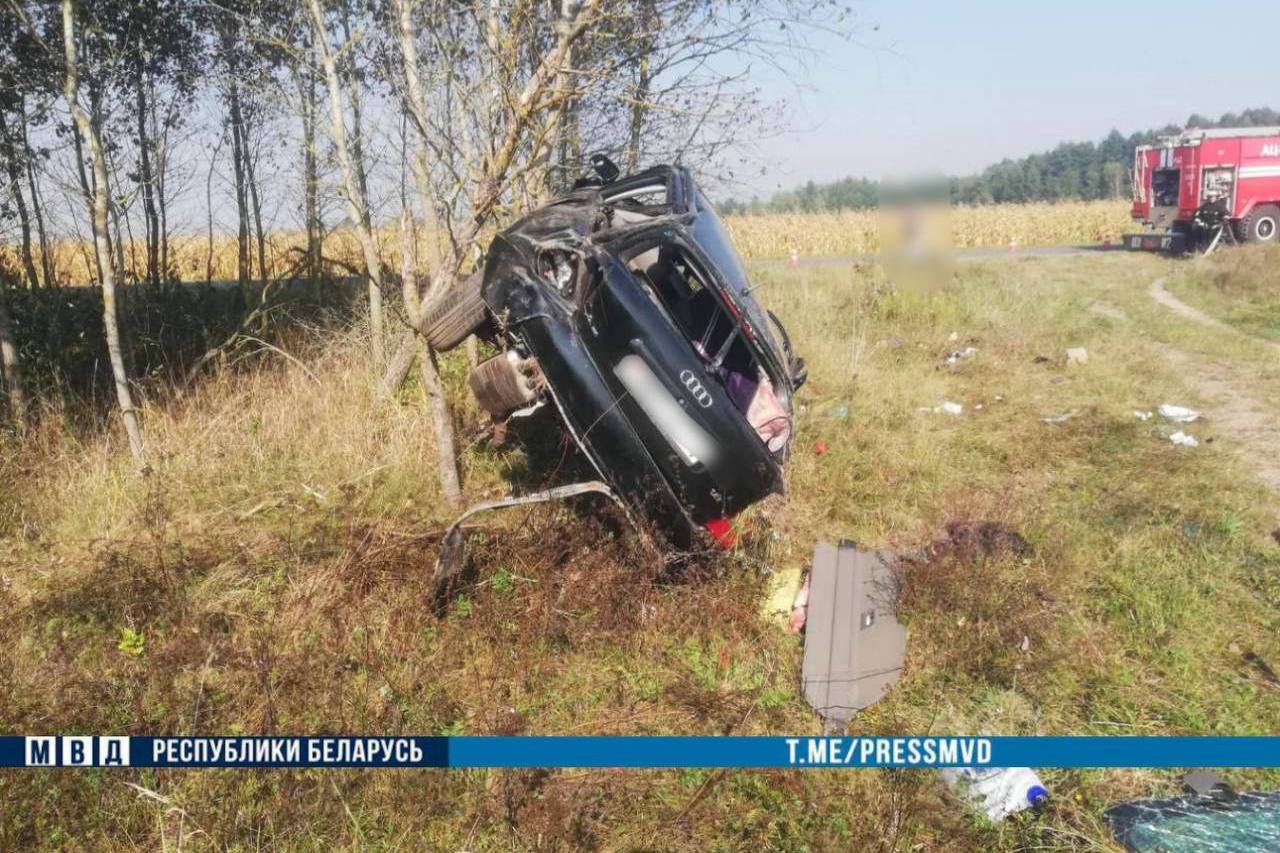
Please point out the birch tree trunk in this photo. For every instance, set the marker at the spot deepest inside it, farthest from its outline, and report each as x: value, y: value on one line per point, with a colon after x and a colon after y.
x: 37, y: 206
x: 437, y: 403
x: 433, y: 387
x: 357, y: 203
x: 310, y: 176
x: 491, y: 178
x: 101, y: 237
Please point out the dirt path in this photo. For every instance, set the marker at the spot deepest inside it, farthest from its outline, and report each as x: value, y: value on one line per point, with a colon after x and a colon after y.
x: 1182, y: 309
x: 1241, y: 417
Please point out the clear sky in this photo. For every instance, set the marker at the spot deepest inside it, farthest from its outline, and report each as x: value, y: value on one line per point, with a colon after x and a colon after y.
x: 954, y: 86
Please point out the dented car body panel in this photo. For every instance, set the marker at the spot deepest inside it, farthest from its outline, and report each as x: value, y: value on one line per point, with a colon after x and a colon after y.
x: 638, y: 311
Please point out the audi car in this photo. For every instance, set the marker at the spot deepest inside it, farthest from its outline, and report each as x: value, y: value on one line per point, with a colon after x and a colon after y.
x: 625, y: 306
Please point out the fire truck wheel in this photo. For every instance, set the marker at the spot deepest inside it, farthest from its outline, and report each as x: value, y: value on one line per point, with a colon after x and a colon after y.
x: 1262, y: 225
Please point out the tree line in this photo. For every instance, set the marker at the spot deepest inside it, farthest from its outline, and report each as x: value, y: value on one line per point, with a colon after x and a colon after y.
x: 1072, y: 170
x: 126, y: 122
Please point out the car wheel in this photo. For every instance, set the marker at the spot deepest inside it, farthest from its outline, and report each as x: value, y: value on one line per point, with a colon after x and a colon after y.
x: 1262, y: 225
x: 455, y: 314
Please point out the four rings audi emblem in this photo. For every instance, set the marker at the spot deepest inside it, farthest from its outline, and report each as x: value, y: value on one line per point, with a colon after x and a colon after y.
x: 700, y: 394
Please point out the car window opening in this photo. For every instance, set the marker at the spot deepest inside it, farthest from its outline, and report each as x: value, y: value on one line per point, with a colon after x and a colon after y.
x: 676, y: 284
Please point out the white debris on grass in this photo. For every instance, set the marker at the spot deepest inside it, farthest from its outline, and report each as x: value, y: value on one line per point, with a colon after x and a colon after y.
x: 1059, y: 419
x: 1077, y: 355
x: 1180, y: 414
x: 958, y: 356
x: 1142, y: 416
x: 1181, y: 439
x: 947, y: 407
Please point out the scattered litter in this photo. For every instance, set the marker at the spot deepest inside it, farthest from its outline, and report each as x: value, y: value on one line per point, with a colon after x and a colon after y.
x: 997, y: 791
x: 1180, y: 414
x: 784, y: 586
x: 1025, y: 645
x: 1077, y: 356
x: 978, y: 407
x: 999, y: 398
x: 799, y: 608
x: 960, y: 355
x: 947, y: 407
x: 953, y: 337
x: 854, y: 646
x: 1181, y: 439
x: 819, y: 447
x: 1142, y: 416
x: 836, y: 411
x: 1059, y: 419
x: 1219, y: 822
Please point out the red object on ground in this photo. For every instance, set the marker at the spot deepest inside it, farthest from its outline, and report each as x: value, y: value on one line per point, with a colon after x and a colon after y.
x: 722, y: 531
x: 819, y: 447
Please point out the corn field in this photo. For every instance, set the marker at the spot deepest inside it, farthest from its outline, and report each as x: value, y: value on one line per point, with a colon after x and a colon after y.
x: 776, y: 235
x: 760, y: 236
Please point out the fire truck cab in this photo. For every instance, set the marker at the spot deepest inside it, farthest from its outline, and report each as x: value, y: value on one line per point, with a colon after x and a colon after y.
x: 1188, y: 187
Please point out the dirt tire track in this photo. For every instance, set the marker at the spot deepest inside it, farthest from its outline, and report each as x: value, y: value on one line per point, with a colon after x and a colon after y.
x: 1242, y: 417
x: 1188, y: 312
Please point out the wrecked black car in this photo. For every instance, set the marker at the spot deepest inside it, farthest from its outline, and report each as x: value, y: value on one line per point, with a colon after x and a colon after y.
x: 625, y: 305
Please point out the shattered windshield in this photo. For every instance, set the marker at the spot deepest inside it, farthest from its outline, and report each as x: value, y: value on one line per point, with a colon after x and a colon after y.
x: 1241, y: 824
x: 710, y: 235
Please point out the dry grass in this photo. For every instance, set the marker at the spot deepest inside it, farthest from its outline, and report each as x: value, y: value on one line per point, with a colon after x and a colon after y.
x: 275, y: 565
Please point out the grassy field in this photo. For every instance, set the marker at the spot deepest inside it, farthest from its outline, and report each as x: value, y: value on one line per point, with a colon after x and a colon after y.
x: 1242, y: 293
x: 849, y: 233
x: 271, y: 576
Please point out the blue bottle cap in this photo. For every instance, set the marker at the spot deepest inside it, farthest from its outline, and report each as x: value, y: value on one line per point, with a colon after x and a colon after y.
x: 1037, y: 796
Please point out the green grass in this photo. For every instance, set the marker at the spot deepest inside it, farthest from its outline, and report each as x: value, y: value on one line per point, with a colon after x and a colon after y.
x: 272, y: 577
x: 1240, y: 288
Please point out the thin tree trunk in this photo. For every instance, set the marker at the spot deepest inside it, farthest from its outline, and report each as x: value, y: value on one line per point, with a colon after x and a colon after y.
x: 9, y: 151
x: 147, y: 180
x: 255, y: 207
x: 437, y: 402
x: 37, y: 206
x: 208, y: 206
x: 242, y: 205
x: 101, y: 238
x: 489, y: 182
x: 357, y: 203
x: 9, y: 368
x: 639, y: 105
x: 235, y: 118
x: 310, y: 177
x: 555, y: 137
x: 87, y: 189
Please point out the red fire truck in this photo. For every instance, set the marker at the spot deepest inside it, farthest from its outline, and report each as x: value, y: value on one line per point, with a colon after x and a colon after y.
x: 1192, y: 187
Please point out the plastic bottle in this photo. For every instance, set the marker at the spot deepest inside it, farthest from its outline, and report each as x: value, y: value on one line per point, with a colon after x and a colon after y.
x: 998, y: 791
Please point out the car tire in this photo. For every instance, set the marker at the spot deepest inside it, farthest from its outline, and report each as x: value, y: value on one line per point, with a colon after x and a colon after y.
x: 455, y: 314
x: 1262, y: 225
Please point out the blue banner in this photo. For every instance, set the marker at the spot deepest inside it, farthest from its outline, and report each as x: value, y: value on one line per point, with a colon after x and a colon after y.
x: 640, y: 752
